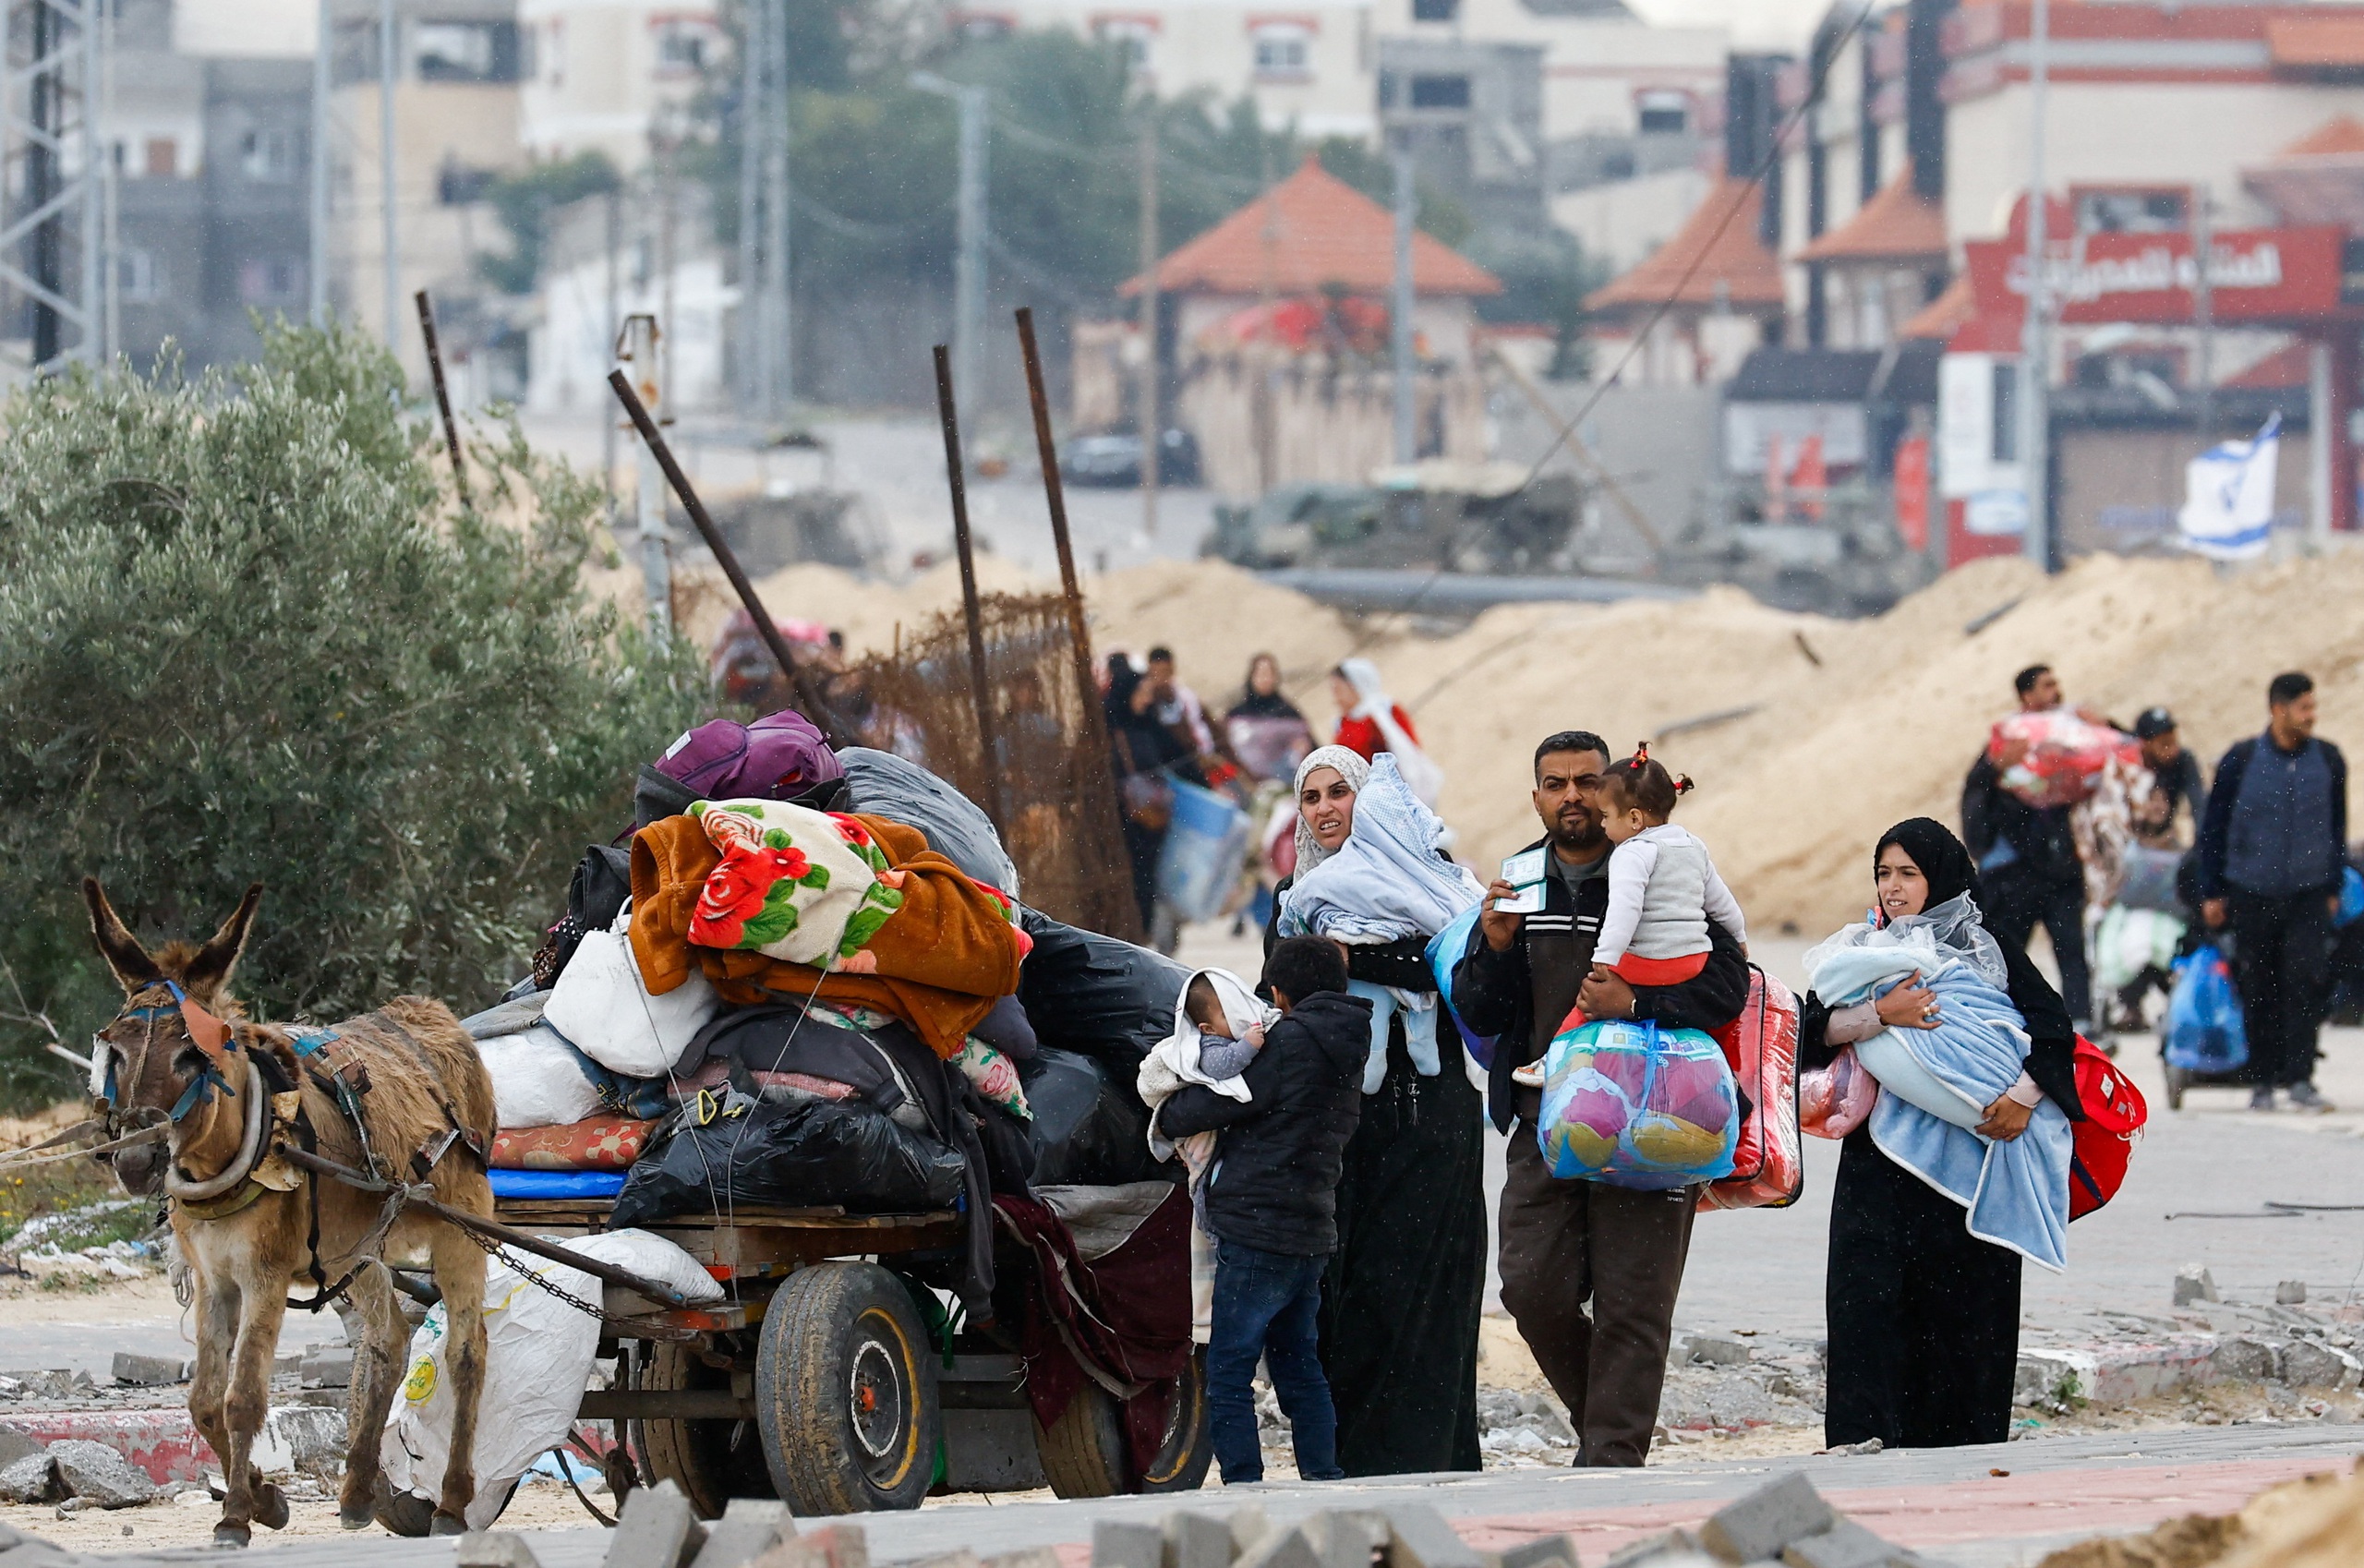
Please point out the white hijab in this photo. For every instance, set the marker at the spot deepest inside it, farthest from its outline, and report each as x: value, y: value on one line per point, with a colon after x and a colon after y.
x: 1350, y: 766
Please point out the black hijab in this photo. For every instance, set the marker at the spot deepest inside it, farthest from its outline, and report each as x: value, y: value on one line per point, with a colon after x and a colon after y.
x: 1941, y: 857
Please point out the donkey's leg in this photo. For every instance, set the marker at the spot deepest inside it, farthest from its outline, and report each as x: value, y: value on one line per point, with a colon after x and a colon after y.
x: 459, y: 1273
x: 378, y: 1366
x: 208, y: 1384
x: 263, y: 1306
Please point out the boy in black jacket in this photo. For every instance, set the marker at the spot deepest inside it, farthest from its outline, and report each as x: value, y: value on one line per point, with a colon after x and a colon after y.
x: 1271, y: 1205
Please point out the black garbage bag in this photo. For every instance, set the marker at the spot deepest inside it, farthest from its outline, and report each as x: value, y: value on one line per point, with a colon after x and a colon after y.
x: 801, y: 1154
x: 1093, y: 994
x: 1089, y: 1130
x: 882, y: 784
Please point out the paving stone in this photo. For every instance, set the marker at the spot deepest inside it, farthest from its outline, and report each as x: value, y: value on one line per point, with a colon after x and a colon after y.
x: 2290, y: 1293
x: 330, y: 1366
x: 749, y: 1528
x: 1030, y: 1557
x: 15, y: 1445
x: 2309, y: 1363
x: 960, y: 1558
x: 1716, y: 1349
x: 148, y: 1371
x: 1845, y: 1545
x: 1761, y: 1524
x: 1544, y: 1552
x: 658, y: 1529
x: 1676, y: 1549
x: 833, y: 1545
x: 1419, y: 1537
x: 31, y: 1480
x: 2246, y: 1358
x: 495, y: 1549
x: 2195, y: 1283
x: 1249, y: 1526
x: 1286, y: 1548
x: 100, y: 1476
x: 1119, y: 1543
x: 1197, y: 1541
x: 1347, y: 1538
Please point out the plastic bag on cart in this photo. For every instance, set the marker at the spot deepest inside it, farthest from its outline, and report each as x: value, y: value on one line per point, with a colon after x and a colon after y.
x: 1833, y: 1101
x: 2204, y: 1030
x: 603, y: 1006
x: 2055, y: 758
x: 1095, y: 995
x: 538, y: 1362
x: 1203, y: 854
x: 802, y: 1154
x: 1089, y: 1130
x: 882, y: 784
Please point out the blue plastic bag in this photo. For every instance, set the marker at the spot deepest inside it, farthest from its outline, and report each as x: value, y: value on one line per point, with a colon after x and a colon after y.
x: 1204, y: 852
x: 2351, y: 897
x: 2204, y: 1032
x: 1635, y: 1105
x: 1445, y: 951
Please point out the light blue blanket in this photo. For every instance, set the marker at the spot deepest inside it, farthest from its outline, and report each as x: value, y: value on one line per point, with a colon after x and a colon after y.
x: 2015, y: 1193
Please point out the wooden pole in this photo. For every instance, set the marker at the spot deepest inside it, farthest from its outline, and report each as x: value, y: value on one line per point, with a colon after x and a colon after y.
x: 443, y: 395
x: 979, y: 688
x: 1055, y: 491
x: 817, y: 707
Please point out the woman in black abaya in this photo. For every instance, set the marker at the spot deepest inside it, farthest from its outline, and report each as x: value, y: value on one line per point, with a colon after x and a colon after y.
x: 1924, y: 1318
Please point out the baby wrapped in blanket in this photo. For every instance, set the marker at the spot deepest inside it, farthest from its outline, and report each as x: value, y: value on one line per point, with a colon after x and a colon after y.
x: 1935, y: 1084
x: 1384, y: 884
x: 1218, y: 1028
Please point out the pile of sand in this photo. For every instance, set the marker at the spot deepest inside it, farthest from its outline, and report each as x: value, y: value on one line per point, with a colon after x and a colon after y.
x: 1848, y: 726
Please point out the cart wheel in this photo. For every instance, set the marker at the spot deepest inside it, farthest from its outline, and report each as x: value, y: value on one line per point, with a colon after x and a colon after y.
x: 2178, y: 1080
x: 1182, y: 1459
x: 844, y: 1392
x: 712, y: 1461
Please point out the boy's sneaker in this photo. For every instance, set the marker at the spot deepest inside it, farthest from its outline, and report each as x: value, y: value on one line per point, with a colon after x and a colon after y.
x: 2306, y: 1097
x: 2261, y: 1098
x: 1529, y: 1076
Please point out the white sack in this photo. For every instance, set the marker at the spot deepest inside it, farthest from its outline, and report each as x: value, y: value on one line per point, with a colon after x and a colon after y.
x: 537, y: 1079
x: 602, y: 1004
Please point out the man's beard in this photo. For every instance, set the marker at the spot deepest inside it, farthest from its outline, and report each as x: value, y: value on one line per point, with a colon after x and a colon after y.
x: 1581, y: 839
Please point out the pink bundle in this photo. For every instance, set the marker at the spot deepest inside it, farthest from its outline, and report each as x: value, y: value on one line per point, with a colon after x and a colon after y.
x: 1768, y: 1163
x: 2055, y: 758
x: 1833, y: 1101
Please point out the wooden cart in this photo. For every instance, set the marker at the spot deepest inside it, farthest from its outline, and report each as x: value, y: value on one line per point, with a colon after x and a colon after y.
x: 832, y: 1379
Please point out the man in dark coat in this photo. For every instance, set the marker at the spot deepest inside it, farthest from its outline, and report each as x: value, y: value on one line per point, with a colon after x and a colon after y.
x: 2273, y: 847
x: 1569, y: 1244
x: 2027, y: 858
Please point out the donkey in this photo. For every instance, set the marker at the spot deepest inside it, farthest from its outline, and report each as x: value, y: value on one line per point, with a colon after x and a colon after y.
x: 251, y: 1225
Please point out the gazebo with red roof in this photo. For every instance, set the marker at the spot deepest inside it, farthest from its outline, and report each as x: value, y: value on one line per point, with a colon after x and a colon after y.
x: 1883, y: 266
x: 1715, y: 270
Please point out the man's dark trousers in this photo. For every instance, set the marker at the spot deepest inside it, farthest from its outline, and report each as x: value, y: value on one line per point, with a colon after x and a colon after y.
x: 2016, y: 902
x: 1567, y: 1244
x: 1267, y: 1305
x: 2282, y: 968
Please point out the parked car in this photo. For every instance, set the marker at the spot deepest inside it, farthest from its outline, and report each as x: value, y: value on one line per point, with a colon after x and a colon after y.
x: 1114, y: 460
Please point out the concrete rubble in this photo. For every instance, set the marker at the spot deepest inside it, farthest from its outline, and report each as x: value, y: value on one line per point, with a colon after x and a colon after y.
x: 1414, y: 1535
x: 1784, y: 1521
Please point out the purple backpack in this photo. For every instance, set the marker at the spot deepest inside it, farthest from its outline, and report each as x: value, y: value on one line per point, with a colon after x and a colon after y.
x: 777, y: 757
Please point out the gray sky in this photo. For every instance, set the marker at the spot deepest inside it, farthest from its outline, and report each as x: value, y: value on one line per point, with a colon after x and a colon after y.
x: 1755, y: 24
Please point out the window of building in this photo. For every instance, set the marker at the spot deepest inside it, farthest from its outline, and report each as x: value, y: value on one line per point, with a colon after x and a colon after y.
x: 1284, y: 50
x: 162, y: 157
x: 455, y: 51
x: 456, y: 184
x: 684, y: 44
x: 2132, y: 212
x: 267, y: 156
x: 270, y: 280
x: 1133, y: 36
x: 1435, y: 10
x: 1441, y: 93
x: 135, y: 276
x: 1662, y: 111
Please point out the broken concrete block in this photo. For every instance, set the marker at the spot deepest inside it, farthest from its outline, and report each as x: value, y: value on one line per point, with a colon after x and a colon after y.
x: 1249, y: 1526
x: 1676, y: 1549
x: 1347, y: 1538
x: 1765, y: 1522
x: 1197, y: 1541
x: 2246, y: 1358
x: 2290, y: 1293
x: 2194, y: 1284
x: 330, y: 1366
x: 1544, y: 1552
x: 1120, y: 1543
x: 657, y: 1529
x: 1419, y: 1537
x: 2309, y: 1363
x: 100, y: 1476
x: 835, y: 1546
x: 959, y: 1558
x: 1287, y: 1547
x: 31, y: 1480
x: 1845, y: 1545
x: 15, y: 1445
x: 1716, y: 1349
x: 1027, y: 1557
x: 148, y: 1371
x: 495, y: 1549
x: 749, y: 1528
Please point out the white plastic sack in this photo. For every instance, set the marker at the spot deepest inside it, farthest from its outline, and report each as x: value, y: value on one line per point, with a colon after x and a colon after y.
x: 537, y: 1079
x: 602, y: 1005
x: 538, y: 1362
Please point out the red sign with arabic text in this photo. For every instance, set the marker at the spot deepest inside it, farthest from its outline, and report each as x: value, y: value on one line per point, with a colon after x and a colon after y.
x: 2254, y: 275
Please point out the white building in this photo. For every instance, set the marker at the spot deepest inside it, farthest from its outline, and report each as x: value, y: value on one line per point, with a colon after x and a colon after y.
x: 606, y: 75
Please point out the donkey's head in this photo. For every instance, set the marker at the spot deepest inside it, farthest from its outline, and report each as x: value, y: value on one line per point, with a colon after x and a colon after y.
x: 149, y: 1058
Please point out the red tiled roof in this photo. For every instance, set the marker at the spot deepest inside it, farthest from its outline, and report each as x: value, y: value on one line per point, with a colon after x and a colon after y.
x: 2333, y: 138
x: 1897, y: 224
x: 2327, y: 42
x: 1310, y: 232
x: 1733, y: 266
x: 2291, y: 365
x: 1943, y: 315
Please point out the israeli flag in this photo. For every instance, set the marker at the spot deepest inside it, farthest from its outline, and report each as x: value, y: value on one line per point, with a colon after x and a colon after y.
x: 2228, y: 507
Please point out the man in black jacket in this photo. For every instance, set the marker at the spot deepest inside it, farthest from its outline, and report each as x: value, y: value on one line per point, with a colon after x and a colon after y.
x: 2028, y: 864
x: 1564, y: 1243
x: 2272, y: 849
x: 1271, y: 1205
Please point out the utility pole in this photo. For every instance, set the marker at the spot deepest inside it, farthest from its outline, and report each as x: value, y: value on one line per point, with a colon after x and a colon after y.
x: 1262, y: 403
x: 615, y: 326
x: 779, y: 327
x: 1406, y: 206
x: 1153, y: 421
x: 41, y: 179
x: 2035, y: 338
x: 2203, y: 303
x: 386, y: 76
x: 317, y: 261
x: 638, y: 349
x: 754, y: 143
x: 968, y: 264
x: 105, y: 263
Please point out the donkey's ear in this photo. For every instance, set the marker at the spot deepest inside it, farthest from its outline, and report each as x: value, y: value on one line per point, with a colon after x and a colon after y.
x: 209, y: 971
x: 133, y: 968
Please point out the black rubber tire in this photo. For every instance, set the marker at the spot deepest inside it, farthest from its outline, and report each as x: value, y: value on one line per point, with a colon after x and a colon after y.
x: 1181, y: 1463
x: 1084, y: 1451
x: 712, y: 1461
x: 2177, y: 1080
x: 846, y: 1392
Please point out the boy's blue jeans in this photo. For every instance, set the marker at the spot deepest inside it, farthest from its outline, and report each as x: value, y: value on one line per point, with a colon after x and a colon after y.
x: 1265, y: 1305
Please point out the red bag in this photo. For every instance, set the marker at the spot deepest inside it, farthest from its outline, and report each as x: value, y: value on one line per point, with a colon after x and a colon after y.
x: 2104, y: 1141
x: 1768, y: 1167
x: 2054, y: 757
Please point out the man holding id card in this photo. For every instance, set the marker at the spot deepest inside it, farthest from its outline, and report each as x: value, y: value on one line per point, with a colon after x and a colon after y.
x: 1567, y: 1243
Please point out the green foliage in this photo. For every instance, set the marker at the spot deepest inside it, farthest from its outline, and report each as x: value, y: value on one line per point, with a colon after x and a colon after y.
x: 523, y: 202
x: 242, y: 638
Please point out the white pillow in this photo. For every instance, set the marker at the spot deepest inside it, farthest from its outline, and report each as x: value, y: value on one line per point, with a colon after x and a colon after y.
x: 602, y: 1004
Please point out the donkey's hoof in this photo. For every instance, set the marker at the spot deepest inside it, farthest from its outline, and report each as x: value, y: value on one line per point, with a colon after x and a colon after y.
x: 232, y: 1535
x: 270, y: 1507
x: 360, y: 1521
x: 404, y: 1513
x: 445, y: 1524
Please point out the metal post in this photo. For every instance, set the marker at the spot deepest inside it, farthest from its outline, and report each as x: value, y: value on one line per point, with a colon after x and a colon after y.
x: 93, y: 183
x: 111, y: 268
x: 386, y: 78
x: 752, y: 145
x: 638, y: 348
x: 2203, y: 301
x: 1152, y: 420
x: 1054, y: 492
x: 1263, y: 406
x: 980, y: 685
x: 443, y: 399
x: 668, y: 218
x: 2319, y: 415
x: 41, y: 180
x: 321, y: 87
x: 969, y: 287
x: 2036, y: 340
x: 780, y: 326
x: 614, y: 329
x: 1407, y: 208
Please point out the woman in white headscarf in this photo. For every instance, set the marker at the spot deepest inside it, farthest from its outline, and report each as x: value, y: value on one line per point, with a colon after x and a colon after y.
x: 1369, y: 722
x: 1401, y: 1302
